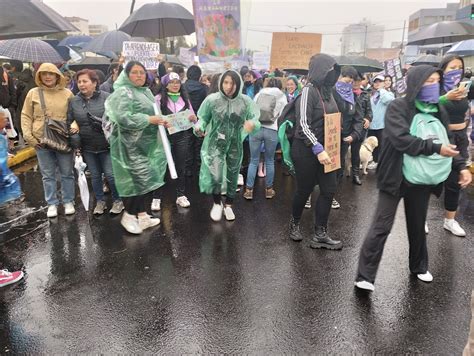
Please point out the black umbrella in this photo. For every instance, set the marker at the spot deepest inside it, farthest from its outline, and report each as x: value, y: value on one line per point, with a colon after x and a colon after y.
x: 360, y: 63
x: 159, y: 20
x: 101, y: 63
x: 30, y: 18
x: 430, y: 59
x: 443, y: 32
x: 111, y: 41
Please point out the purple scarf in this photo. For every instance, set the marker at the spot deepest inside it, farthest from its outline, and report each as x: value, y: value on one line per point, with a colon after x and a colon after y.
x: 429, y: 93
x: 345, y: 91
x: 451, y: 79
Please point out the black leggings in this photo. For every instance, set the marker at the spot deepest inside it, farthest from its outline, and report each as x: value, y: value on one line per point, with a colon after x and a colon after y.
x: 218, y: 199
x: 378, y: 134
x: 136, y: 204
x: 309, y: 173
x: 416, y: 199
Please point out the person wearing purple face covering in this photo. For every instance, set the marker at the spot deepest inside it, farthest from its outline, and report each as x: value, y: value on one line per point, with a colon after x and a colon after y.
x: 456, y: 102
x: 352, y: 119
x: 422, y: 96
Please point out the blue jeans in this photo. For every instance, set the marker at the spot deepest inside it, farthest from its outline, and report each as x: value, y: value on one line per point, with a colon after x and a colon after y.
x: 101, y: 163
x: 49, y: 162
x: 270, y: 139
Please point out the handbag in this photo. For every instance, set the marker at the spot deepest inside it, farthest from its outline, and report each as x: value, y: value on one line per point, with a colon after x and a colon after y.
x: 56, y: 136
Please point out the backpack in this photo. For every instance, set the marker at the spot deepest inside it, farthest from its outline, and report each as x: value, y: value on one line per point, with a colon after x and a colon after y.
x: 267, y: 104
x: 427, y: 170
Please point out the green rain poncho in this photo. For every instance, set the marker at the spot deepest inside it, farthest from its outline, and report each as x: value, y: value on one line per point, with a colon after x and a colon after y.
x: 223, y: 118
x: 138, y: 158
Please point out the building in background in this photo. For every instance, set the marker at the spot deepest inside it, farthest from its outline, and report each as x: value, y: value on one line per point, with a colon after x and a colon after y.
x: 465, y: 12
x: 81, y: 24
x: 426, y: 17
x: 96, y: 30
x: 356, y: 38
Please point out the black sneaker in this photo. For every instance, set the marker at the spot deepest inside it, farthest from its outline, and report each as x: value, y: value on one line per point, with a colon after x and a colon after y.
x: 321, y: 239
x: 295, y: 232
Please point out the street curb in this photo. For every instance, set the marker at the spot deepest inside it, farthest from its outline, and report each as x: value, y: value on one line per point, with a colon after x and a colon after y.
x: 21, y: 156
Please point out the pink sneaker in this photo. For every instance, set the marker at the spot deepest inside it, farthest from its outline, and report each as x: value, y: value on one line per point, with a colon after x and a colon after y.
x: 7, y: 278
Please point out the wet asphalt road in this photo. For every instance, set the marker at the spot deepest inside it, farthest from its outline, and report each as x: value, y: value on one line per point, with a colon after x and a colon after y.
x: 193, y: 286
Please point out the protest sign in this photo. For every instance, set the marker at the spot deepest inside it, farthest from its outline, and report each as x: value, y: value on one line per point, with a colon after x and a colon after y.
x: 186, y: 57
x: 332, y: 140
x: 144, y: 52
x: 261, y: 60
x: 293, y: 50
x: 179, y: 121
x: 393, y: 68
x: 217, y: 25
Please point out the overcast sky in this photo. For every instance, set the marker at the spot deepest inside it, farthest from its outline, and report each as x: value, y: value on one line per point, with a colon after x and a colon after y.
x: 328, y: 18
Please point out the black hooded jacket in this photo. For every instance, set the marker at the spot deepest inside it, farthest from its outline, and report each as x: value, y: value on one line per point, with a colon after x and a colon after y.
x: 316, y: 99
x: 456, y: 109
x: 7, y: 90
x: 397, y: 138
x: 352, y: 119
x: 197, y: 92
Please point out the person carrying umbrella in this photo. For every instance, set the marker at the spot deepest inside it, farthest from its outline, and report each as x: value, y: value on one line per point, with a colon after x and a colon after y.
x: 87, y: 109
x: 456, y: 101
x: 52, y: 91
x: 225, y: 119
x: 138, y: 159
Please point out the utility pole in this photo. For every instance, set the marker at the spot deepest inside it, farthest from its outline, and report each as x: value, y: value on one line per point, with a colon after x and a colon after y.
x: 365, y: 39
x: 132, y: 7
x: 296, y: 28
x: 403, y: 36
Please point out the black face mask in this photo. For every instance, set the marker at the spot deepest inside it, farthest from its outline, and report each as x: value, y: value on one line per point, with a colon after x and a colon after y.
x: 247, y: 83
x: 331, y: 78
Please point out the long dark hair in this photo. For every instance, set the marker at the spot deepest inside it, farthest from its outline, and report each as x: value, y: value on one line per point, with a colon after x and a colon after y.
x: 214, y: 88
x: 164, y: 97
x: 129, y: 67
x: 235, y: 78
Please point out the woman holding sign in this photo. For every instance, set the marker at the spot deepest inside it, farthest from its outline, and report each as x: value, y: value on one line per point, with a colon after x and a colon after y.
x: 138, y: 159
x: 313, y: 108
x: 173, y: 100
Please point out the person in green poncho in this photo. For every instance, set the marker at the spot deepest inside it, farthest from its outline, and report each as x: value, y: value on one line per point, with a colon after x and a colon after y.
x: 225, y: 119
x: 138, y: 159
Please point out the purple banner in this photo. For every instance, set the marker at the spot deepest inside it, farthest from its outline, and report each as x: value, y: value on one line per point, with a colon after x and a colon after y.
x: 217, y: 30
x: 393, y: 68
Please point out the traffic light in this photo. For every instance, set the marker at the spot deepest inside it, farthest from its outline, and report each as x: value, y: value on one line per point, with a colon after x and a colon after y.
x: 472, y: 12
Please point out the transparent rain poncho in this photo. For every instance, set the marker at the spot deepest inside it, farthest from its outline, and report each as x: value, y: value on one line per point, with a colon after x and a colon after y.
x: 138, y: 159
x: 9, y: 185
x: 222, y: 119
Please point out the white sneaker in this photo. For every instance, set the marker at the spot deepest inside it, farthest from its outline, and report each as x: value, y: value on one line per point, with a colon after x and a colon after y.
x: 130, y: 223
x: 240, y: 181
x: 372, y: 165
x: 100, y: 208
x: 183, y: 202
x: 365, y: 285
x: 453, y: 226
x: 425, y: 277
x: 308, y: 203
x: 335, y: 204
x: 147, y: 221
x: 52, y: 211
x: 156, y: 205
x: 229, y: 213
x: 427, y: 230
x: 216, y: 212
x: 69, y: 209
x: 117, y: 207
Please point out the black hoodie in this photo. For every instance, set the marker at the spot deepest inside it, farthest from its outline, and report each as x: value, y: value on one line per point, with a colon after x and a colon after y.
x: 397, y: 138
x: 456, y: 109
x: 316, y: 98
x: 197, y: 92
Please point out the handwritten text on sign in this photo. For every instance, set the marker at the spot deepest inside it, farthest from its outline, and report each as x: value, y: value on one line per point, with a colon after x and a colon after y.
x: 332, y: 140
x: 292, y: 50
x: 179, y: 121
x: 144, y: 52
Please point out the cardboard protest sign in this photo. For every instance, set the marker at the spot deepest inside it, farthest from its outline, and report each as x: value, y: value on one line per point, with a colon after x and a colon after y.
x: 293, y: 50
x: 393, y: 68
x: 144, y: 52
x: 332, y: 140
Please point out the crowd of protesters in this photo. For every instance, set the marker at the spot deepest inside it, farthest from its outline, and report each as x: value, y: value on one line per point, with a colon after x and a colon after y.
x: 238, y: 123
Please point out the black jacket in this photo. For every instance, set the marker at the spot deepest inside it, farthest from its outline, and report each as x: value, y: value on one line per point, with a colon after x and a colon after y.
x: 92, y: 139
x: 352, y: 119
x: 456, y: 109
x: 364, y: 102
x: 197, y: 92
x: 7, y: 91
x: 25, y: 83
x: 397, y: 138
x: 316, y: 98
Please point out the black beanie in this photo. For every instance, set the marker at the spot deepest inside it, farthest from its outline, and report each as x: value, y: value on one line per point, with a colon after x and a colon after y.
x: 194, y: 73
